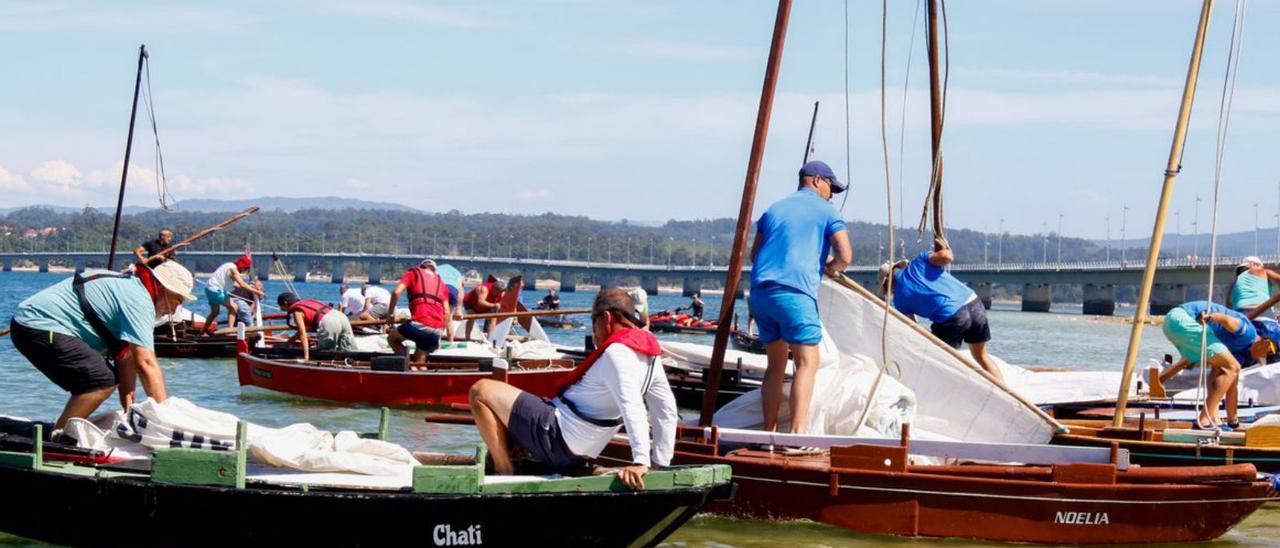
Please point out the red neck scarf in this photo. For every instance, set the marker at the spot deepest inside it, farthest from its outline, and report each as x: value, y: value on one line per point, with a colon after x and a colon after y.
x: 634, y: 338
x: 148, y: 280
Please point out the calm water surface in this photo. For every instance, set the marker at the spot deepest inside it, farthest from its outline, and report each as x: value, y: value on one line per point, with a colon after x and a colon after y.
x: 1063, y: 340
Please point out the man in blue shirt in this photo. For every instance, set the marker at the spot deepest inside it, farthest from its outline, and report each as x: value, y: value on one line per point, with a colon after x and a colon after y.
x: 1230, y: 341
x: 793, y: 240
x: 71, y: 329
x: 923, y: 287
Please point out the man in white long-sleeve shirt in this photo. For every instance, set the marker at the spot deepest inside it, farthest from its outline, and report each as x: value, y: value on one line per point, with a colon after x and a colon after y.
x: 621, y: 383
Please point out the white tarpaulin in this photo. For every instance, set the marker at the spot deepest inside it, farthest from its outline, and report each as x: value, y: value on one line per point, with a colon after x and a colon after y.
x: 176, y: 422
x: 696, y: 357
x: 953, y: 398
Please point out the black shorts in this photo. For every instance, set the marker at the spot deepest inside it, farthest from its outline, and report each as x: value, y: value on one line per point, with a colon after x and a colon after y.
x: 69, y: 362
x: 533, y: 426
x: 426, y: 338
x: 969, y: 325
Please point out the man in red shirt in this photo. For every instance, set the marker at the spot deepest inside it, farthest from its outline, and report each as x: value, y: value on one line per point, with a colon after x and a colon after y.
x: 429, y: 308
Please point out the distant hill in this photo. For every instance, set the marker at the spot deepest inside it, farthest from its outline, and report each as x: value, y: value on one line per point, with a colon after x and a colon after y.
x: 109, y: 210
x: 289, y: 205
x: 1231, y: 244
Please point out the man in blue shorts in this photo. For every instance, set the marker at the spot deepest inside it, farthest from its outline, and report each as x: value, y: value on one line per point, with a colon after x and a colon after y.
x: 923, y: 287
x: 793, y: 240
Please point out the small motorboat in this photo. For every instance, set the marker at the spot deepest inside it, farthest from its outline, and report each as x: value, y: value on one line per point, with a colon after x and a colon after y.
x: 445, y: 504
x: 669, y: 321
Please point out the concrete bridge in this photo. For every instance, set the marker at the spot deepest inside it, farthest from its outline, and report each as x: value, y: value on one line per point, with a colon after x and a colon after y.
x: 1098, y: 280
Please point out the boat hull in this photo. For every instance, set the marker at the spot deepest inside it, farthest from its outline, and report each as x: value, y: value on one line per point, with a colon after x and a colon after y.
x: 1156, y: 453
x: 362, y: 385
x: 1013, y: 504
x: 209, y: 347
x: 53, y: 503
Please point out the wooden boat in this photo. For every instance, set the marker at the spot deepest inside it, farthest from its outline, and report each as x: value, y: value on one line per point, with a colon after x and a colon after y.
x: 746, y: 342
x: 450, y: 505
x: 365, y: 377
x: 183, y: 340
x: 1069, y: 499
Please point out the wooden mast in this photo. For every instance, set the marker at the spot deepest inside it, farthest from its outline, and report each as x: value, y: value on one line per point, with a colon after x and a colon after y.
x: 128, y: 148
x: 935, y: 114
x: 712, y: 377
x: 1166, y: 194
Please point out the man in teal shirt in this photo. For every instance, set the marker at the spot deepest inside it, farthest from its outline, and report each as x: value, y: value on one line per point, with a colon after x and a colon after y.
x: 70, y: 331
x: 1252, y: 286
x: 793, y: 240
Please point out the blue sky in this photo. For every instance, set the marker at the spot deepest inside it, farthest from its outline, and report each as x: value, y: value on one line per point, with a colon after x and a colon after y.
x: 640, y: 110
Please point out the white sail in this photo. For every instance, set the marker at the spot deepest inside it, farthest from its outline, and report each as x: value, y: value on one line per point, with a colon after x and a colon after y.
x: 954, y: 398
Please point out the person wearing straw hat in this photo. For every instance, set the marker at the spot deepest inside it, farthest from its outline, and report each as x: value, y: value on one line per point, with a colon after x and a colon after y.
x: 796, y: 238
x: 1252, y: 286
x: 1230, y: 341
x: 93, y: 334
x: 923, y: 287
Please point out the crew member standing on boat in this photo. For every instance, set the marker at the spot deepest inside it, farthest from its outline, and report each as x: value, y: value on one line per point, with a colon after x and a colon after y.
x: 483, y: 298
x: 1252, y: 286
x: 429, y: 306
x: 923, y: 287
x: 218, y: 290
x: 332, y: 328
x: 1231, y: 341
x: 74, y: 330
x: 246, y: 303
x: 152, y: 248
x: 793, y: 240
x: 621, y: 383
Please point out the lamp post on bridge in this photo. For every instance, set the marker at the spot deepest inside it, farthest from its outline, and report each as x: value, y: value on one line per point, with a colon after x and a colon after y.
x: 1195, y: 234
x: 1000, y: 244
x: 1177, y: 239
x: 986, y: 245
x: 670, y: 240
x: 1108, y: 238
x: 1124, y: 246
x: 628, y: 249
x: 1059, y: 237
x: 1044, y: 243
x: 608, y: 249
x: 588, y: 249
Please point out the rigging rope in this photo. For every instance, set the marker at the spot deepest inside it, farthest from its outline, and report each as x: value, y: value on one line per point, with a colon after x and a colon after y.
x: 162, y: 185
x: 1229, y: 77
x: 848, y: 163
x: 902, y: 126
x: 888, y: 198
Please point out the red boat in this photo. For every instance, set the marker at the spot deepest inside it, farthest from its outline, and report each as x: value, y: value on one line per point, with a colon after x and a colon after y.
x: 354, y: 378
x: 672, y: 322
x: 872, y: 489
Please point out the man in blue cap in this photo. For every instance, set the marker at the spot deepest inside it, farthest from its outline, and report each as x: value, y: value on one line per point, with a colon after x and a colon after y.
x: 793, y: 240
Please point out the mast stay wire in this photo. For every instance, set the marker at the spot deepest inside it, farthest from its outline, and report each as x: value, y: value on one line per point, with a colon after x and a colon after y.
x: 902, y: 125
x: 848, y: 162
x: 165, y: 198
x: 1229, y: 78
x: 888, y: 199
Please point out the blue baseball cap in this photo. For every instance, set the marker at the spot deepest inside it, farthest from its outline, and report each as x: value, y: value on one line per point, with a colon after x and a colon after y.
x: 821, y: 169
x: 1270, y: 330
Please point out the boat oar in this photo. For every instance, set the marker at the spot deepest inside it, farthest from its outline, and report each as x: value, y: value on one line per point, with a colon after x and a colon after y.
x: 366, y: 323
x: 203, y: 233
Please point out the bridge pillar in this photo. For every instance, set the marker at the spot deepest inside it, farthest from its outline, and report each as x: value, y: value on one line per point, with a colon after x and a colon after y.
x: 1164, y: 297
x: 530, y: 280
x: 1099, y: 299
x: 607, y: 280
x: 1036, y: 297
x: 374, y: 271
x: 42, y: 265
x: 337, y: 272
x: 568, y: 282
x: 691, y: 285
x: 6, y: 266
x: 984, y: 293
x: 264, y: 269
x: 300, y: 271
x: 649, y: 284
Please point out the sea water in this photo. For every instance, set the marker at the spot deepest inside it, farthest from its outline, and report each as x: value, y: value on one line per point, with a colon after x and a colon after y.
x: 1063, y: 339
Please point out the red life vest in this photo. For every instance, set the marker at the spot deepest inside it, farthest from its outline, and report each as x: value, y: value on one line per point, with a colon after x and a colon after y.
x: 473, y: 297
x: 312, y: 310
x: 426, y: 300
x: 632, y: 337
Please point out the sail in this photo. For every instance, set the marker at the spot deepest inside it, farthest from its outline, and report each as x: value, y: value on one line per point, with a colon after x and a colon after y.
x: 954, y: 398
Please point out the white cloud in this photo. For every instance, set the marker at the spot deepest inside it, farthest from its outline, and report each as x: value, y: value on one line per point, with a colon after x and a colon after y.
x: 58, y: 173
x: 9, y: 181
x: 55, y: 16
x: 356, y: 183
x: 683, y: 51
x: 538, y: 194
x: 406, y: 12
